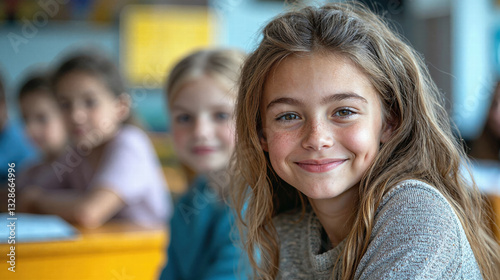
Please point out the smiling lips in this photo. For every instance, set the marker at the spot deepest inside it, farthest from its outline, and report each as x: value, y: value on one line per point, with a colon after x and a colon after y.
x: 203, y: 150
x: 78, y: 131
x: 319, y: 166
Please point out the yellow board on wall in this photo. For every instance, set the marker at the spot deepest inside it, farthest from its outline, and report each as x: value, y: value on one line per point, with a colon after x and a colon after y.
x: 155, y: 37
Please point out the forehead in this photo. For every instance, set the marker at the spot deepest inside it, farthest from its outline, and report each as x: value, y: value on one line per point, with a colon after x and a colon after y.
x: 37, y: 97
x: 201, y: 93
x: 38, y: 103
x: 313, y: 75
x: 78, y: 84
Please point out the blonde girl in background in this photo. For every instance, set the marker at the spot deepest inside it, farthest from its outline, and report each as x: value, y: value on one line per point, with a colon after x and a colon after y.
x: 346, y: 164
x: 201, y: 93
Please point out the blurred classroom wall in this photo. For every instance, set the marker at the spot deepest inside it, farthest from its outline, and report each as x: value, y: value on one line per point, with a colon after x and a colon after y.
x: 460, y: 40
x: 33, y: 41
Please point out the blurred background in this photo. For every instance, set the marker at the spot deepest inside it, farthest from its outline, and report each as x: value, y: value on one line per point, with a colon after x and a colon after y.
x: 459, y: 39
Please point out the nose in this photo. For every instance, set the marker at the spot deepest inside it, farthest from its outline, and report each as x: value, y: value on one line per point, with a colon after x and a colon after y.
x: 318, y: 136
x: 202, y: 128
x: 78, y: 115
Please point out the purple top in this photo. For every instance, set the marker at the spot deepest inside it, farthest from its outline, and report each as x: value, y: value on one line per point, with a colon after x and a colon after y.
x: 129, y: 167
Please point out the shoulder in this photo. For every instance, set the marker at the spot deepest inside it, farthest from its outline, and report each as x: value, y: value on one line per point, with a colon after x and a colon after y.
x: 417, y: 233
x: 202, y: 204
x: 130, y: 134
x: 415, y: 202
x: 131, y: 141
x: 421, y: 194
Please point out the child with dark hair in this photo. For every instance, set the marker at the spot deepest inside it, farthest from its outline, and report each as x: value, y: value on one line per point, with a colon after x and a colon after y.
x: 14, y: 146
x: 110, y: 170
x: 42, y: 117
x: 45, y: 126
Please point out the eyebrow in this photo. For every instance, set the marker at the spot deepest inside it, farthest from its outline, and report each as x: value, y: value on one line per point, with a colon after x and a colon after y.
x: 331, y: 98
x: 214, y: 107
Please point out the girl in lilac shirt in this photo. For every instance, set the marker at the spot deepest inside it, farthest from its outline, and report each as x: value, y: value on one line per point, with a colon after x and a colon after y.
x: 110, y: 170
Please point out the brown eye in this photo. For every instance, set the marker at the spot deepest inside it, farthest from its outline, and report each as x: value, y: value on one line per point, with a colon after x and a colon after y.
x: 344, y: 113
x: 288, y: 117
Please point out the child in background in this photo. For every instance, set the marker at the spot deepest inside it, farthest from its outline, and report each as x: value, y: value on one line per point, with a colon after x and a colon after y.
x: 346, y: 164
x: 487, y: 146
x: 45, y: 126
x: 111, y: 169
x: 201, y: 92
x: 14, y: 146
x: 486, y: 149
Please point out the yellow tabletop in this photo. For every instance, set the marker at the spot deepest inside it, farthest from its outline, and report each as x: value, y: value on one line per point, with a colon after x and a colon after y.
x: 115, y: 251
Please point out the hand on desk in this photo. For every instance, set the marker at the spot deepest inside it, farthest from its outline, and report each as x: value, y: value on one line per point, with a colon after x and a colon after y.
x: 89, y: 209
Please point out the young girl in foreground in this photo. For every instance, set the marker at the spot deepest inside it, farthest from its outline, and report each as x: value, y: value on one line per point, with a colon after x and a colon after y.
x: 201, y: 92
x: 111, y: 169
x: 346, y: 164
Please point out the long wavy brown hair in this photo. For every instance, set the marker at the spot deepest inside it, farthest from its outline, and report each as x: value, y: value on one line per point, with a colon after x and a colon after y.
x: 422, y: 144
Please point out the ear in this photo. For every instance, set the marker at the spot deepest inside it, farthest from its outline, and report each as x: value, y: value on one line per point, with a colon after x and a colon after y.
x: 123, y: 104
x: 263, y: 141
x: 387, y: 130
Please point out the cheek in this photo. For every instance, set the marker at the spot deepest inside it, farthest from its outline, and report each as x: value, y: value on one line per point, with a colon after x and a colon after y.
x: 280, y: 145
x: 103, y: 119
x: 227, y: 134
x: 31, y: 130
x: 363, y: 142
x: 56, y: 129
x: 67, y: 122
x: 180, y: 137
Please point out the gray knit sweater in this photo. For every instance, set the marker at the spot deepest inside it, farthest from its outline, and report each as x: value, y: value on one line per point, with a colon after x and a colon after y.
x: 416, y: 235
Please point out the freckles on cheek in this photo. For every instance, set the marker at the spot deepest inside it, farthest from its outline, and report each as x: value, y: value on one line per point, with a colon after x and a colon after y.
x: 278, y: 140
x: 280, y: 145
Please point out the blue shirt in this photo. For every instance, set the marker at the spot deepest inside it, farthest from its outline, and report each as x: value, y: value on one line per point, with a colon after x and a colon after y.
x: 201, y: 238
x: 14, y: 148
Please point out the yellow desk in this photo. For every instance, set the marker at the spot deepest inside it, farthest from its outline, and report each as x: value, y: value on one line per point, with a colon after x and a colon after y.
x: 115, y: 251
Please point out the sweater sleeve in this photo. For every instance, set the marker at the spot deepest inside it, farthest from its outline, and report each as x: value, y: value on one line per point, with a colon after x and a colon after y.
x: 170, y: 271
x: 228, y: 259
x: 417, y: 235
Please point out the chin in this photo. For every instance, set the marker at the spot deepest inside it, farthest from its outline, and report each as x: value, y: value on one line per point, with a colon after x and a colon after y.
x: 324, y: 193
x: 321, y: 196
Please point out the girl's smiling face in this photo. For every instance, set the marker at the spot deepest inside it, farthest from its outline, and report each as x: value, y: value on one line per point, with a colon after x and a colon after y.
x: 322, y: 123
x: 203, y: 125
x: 91, y: 111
